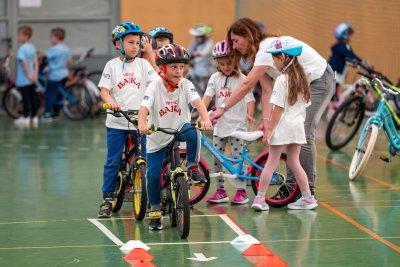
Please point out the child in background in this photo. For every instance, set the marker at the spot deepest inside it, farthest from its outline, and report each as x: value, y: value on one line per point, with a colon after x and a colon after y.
x: 58, y: 57
x: 167, y: 100
x: 200, y: 49
x: 340, y: 51
x: 161, y: 36
x: 123, y: 84
x: 221, y: 85
x: 290, y: 97
x: 27, y: 74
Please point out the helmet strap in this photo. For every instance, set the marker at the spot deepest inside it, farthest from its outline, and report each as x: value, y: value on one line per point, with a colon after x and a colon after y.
x: 122, y: 51
x: 170, y: 85
x: 288, y: 65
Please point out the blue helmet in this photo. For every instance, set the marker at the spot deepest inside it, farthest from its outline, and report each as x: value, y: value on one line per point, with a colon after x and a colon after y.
x: 287, y: 45
x: 162, y: 32
x: 123, y: 29
x: 342, y: 30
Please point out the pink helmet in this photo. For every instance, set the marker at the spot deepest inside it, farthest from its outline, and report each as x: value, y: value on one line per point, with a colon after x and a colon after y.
x: 221, y: 49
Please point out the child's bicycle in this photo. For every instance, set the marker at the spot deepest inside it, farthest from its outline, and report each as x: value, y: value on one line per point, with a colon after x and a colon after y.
x: 348, y: 117
x: 132, y: 171
x: 385, y: 118
x: 175, y: 184
x: 280, y: 191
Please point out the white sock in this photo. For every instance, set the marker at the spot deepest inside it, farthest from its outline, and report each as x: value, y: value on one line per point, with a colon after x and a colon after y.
x: 261, y: 194
x: 306, y: 194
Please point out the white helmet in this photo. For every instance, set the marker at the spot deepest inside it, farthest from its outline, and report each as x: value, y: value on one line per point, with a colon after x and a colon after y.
x: 287, y: 45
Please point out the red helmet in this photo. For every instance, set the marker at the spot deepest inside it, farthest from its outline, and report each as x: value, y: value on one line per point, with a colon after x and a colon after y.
x: 172, y: 53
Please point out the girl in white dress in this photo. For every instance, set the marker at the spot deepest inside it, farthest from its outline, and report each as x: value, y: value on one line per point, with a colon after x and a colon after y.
x: 290, y: 97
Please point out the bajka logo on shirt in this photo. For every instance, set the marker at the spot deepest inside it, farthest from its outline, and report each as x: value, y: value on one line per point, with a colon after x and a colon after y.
x: 170, y: 106
x: 129, y: 78
x: 224, y: 92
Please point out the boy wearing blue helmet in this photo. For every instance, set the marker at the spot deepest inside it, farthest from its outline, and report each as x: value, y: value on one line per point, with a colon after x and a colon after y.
x: 161, y: 36
x: 123, y: 84
x: 290, y: 97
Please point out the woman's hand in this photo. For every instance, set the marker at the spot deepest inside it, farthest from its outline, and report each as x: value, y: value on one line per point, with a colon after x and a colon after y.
x: 267, y: 135
x: 143, y: 129
x: 207, y: 125
x: 216, y: 114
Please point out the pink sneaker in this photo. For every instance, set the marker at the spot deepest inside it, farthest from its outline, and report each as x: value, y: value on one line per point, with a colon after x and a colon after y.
x: 240, y: 197
x: 259, y: 204
x: 218, y: 197
x: 304, y: 204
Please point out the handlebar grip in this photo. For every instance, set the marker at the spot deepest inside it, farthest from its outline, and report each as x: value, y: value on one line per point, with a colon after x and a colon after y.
x: 106, y: 106
x: 152, y: 129
x: 199, y: 126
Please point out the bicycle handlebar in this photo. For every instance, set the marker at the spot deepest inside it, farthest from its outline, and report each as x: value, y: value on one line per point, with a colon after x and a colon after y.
x: 371, y: 73
x: 380, y: 84
x: 126, y: 114
x: 174, y: 132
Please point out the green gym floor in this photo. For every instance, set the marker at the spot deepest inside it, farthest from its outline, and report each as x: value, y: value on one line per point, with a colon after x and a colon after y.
x: 51, y: 189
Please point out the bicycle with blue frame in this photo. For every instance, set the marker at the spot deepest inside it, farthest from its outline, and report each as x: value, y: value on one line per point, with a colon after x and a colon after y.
x: 384, y: 118
x: 280, y: 191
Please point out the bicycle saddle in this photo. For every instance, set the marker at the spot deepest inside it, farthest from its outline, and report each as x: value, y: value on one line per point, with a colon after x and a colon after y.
x: 248, y: 136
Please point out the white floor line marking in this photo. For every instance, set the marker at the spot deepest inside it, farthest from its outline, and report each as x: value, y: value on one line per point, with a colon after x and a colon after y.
x: 189, y: 243
x: 107, y: 232
x: 231, y: 224
x: 52, y: 247
x: 25, y: 146
x: 43, y: 147
x: 83, y: 149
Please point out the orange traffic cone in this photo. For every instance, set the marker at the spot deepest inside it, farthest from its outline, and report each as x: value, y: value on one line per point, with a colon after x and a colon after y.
x: 143, y: 263
x: 139, y: 254
x: 272, y: 261
x: 257, y: 250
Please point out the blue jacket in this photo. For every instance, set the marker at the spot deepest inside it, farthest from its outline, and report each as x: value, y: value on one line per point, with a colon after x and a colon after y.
x: 340, y: 51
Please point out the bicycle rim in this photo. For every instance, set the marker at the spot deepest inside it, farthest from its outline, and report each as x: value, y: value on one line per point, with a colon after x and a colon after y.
x: 80, y: 108
x: 139, y: 192
x: 119, y: 193
x: 363, y: 152
x: 345, y: 123
x: 12, y: 102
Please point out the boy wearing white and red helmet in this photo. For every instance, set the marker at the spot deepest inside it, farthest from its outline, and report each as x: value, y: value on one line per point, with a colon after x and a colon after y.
x: 221, y: 85
x: 167, y: 102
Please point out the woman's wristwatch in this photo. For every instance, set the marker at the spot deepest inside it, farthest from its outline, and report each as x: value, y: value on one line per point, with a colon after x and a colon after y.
x: 223, y: 107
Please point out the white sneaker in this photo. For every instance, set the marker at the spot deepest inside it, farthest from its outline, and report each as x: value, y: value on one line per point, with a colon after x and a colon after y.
x: 35, y: 120
x: 22, y: 121
x: 304, y: 204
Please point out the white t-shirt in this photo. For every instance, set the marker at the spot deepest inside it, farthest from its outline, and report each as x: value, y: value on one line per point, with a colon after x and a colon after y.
x: 167, y: 110
x: 234, y: 118
x: 290, y: 128
x: 127, y: 88
x: 314, y: 64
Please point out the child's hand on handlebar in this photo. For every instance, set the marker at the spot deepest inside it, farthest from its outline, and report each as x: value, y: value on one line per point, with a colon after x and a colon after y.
x: 143, y: 129
x: 113, y: 106
x: 207, y: 125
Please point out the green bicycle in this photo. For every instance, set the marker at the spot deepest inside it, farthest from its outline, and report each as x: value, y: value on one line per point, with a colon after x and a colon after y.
x: 385, y: 118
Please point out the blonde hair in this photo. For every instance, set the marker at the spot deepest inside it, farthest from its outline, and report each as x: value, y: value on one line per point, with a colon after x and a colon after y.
x: 298, y: 85
x: 246, y: 27
x: 236, y: 70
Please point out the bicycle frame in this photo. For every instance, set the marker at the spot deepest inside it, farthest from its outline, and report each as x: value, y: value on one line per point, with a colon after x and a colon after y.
x: 228, y: 161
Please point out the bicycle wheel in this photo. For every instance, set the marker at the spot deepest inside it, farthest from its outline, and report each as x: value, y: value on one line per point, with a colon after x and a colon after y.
x: 182, y: 207
x: 197, y: 192
x: 279, y: 184
x: 78, y: 103
x: 364, y: 149
x: 345, y: 123
x: 12, y: 102
x: 139, y: 192
x: 119, y: 193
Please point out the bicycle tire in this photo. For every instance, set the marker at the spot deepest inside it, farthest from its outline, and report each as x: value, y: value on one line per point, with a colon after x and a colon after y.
x: 197, y: 193
x: 274, y: 189
x: 364, y: 149
x: 12, y: 102
x: 82, y: 109
x: 349, y: 114
x: 139, y: 192
x: 172, y: 213
x: 119, y: 193
x: 182, y: 207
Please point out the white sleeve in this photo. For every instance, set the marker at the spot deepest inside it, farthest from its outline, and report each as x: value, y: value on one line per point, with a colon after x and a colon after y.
x: 211, y: 87
x: 150, y: 73
x: 106, y: 80
x: 279, y: 93
x: 148, y: 98
x: 263, y: 59
x: 191, y: 91
x: 249, y: 97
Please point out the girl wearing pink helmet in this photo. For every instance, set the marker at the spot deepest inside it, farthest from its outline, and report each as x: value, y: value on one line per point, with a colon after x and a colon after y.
x: 221, y: 85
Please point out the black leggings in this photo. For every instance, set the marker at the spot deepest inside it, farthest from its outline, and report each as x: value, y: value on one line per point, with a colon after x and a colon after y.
x: 30, y: 99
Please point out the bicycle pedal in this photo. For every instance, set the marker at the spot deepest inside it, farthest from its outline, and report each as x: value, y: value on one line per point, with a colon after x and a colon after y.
x: 199, y: 184
x: 154, y: 215
x: 385, y: 159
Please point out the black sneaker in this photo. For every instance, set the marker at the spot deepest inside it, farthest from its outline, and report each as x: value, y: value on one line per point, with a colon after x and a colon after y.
x: 155, y: 220
x: 196, y: 176
x: 105, y: 210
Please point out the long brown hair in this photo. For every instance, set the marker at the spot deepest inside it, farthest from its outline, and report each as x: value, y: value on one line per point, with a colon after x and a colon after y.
x: 246, y: 27
x: 298, y: 85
